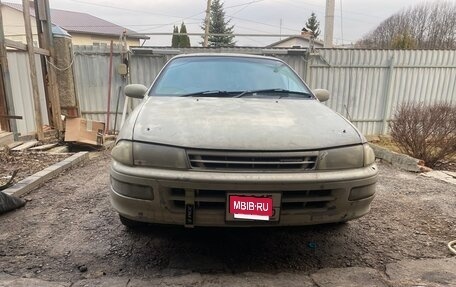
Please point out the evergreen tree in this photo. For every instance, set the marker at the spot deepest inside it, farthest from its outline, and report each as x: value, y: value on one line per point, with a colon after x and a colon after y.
x: 313, y: 25
x: 218, y: 25
x: 184, y: 40
x: 175, y: 39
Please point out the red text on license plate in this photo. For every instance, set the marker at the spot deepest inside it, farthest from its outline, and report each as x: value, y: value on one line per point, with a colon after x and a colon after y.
x: 251, y: 205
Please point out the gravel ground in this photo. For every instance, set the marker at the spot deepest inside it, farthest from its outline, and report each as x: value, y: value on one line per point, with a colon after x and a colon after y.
x: 26, y: 163
x: 68, y: 232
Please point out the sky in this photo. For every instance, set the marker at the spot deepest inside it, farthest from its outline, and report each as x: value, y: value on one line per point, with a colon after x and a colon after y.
x: 353, y: 18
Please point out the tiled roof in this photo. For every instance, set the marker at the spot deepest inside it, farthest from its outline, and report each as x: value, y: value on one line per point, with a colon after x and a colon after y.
x: 76, y: 22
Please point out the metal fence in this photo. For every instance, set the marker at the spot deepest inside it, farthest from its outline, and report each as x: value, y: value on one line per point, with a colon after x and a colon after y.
x: 366, y: 85
x: 21, y: 86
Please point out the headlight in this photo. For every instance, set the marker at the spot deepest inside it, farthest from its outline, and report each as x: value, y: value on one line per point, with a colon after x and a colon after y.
x: 369, y: 155
x: 154, y: 155
x: 341, y: 158
x: 123, y: 152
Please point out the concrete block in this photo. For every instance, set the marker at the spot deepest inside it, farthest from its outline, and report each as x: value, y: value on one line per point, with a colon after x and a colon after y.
x: 441, y: 175
x: 351, y: 276
x: 220, y: 280
x: 103, y: 282
x: 80, y: 156
x: 15, y: 189
x: 401, y: 161
x: 10, y: 281
x: 427, y: 272
x: 28, y: 184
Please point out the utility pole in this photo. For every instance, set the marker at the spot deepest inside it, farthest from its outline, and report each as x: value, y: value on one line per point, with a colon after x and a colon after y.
x: 329, y: 23
x: 207, y: 22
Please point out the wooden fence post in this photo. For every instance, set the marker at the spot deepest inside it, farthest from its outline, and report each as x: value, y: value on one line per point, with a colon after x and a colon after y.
x: 32, y: 65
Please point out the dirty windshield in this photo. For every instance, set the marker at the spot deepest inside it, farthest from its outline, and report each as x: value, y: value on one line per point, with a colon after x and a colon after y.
x: 226, y: 76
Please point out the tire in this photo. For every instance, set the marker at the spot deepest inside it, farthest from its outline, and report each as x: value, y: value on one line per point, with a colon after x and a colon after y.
x: 132, y: 224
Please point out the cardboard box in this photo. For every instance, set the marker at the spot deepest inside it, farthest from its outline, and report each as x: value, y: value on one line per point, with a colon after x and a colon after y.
x: 84, y: 131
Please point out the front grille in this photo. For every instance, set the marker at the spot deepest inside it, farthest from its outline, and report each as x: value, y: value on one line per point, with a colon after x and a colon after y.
x: 252, y: 161
x: 306, y: 200
x: 293, y: 201
x: 204, y: 199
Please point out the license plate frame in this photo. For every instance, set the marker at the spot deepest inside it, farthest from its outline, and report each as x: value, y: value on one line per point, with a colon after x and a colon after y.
x: 250, y: 197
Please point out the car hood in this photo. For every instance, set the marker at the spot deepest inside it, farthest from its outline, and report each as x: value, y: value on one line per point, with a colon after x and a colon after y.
x: 242, y: 124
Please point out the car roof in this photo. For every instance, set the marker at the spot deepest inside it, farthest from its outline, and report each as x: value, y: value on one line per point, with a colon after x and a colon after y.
x: 233, y: 55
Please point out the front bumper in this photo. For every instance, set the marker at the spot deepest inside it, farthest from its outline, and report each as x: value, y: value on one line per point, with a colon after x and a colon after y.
x: 307, y: 198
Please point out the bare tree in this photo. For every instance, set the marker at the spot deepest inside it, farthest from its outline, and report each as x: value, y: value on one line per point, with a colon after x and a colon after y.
x: 426, y: 132
x: 425, y: 26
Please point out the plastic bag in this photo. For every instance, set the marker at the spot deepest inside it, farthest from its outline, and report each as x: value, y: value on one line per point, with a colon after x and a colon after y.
x: 8, y: 202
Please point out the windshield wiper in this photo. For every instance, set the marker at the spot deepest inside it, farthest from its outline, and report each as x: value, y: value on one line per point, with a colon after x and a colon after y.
x: 212, y: 93
x: 282, y: 93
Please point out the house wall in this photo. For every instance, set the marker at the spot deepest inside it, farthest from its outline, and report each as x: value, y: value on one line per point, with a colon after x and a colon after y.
x: 87, y: 39
x: 296, y: 42
x: 293, y: 42
x: 13, y: 25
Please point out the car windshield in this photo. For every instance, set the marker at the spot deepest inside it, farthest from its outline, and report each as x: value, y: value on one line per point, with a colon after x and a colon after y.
x: 218, y: 76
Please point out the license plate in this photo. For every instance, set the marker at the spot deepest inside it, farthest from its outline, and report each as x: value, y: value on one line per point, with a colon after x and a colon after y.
x: 253, y: 207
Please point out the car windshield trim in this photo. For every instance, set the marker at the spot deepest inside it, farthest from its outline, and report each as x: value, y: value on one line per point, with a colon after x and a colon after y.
x: 273, y: 91
x: 212, y: 94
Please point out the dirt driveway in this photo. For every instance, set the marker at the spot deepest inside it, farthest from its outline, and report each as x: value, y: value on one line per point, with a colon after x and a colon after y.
x: 68, y: 232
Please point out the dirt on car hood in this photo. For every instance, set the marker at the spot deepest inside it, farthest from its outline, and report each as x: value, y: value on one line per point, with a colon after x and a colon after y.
x: 242, y: 124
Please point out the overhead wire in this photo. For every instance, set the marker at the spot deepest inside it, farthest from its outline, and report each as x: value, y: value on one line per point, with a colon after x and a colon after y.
x: 243, y: 4
x: 158, y: 26
x: 261, y: 23
x: 129, y: 9
x: 167, y: 15
x: 322, y: 8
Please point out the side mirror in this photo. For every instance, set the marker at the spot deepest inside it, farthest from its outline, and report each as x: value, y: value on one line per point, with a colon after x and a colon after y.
x: 321, y: 94
x: 136, y: 91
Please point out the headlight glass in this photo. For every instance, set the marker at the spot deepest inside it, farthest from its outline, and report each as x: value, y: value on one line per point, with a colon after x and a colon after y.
x: 123, y: 152
x: 369, y: 155
x: 162, y: 156
x: 341, y: 158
